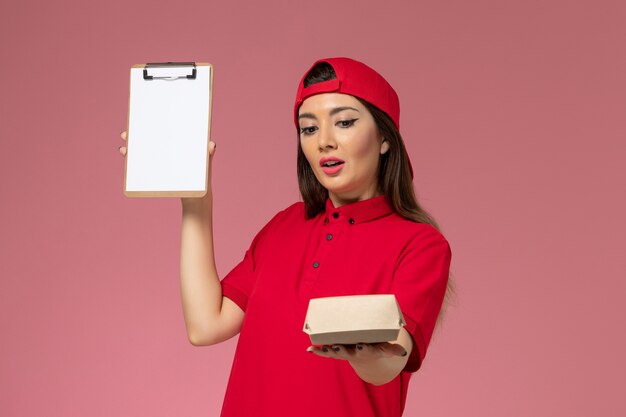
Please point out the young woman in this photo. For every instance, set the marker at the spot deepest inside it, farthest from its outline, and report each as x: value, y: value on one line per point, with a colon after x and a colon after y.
x: 358, y: 230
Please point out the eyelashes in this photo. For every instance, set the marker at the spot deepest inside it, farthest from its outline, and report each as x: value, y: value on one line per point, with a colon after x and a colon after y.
x: 343, y: 124
x: 346, y: 123
x: 307, y: 130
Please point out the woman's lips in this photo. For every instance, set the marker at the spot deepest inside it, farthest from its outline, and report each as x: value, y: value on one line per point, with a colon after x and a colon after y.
x: 332, y: 170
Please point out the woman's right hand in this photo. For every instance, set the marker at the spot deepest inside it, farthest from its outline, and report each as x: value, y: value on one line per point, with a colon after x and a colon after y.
x: 122, y: 149
x: 185, y: 200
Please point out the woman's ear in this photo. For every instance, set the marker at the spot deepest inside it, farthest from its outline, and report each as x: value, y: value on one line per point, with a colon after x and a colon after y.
x: 384, y: 147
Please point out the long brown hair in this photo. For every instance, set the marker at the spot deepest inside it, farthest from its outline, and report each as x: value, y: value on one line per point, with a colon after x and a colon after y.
x: 394, y: 174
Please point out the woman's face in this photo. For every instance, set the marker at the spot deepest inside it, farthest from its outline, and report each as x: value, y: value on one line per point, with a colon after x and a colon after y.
x: 338, y: 127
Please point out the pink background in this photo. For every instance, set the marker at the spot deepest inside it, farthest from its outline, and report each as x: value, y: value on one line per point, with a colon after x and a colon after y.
x: 513, y: 114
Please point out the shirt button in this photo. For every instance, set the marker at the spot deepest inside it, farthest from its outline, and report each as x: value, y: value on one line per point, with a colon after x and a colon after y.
x: 316, y: 264
x: 335, y: 215
x: 351, y: 221
x: 329, y: 236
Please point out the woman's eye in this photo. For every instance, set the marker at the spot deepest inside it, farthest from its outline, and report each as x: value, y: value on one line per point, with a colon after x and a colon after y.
x: 307, y: 130
x: 346, y: 123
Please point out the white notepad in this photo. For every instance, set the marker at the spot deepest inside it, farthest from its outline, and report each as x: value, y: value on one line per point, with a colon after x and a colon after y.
x: 169, y: 121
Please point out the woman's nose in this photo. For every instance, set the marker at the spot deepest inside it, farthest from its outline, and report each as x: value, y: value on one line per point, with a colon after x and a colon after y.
x: 326, y: 138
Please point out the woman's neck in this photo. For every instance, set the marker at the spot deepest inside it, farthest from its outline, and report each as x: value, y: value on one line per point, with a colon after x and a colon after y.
x: 343, y: 199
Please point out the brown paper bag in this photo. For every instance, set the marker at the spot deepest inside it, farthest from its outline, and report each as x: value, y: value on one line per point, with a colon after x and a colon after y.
x: 353, y: 319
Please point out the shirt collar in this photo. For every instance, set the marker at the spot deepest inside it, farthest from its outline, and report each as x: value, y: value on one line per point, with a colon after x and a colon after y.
x: 359, y: 211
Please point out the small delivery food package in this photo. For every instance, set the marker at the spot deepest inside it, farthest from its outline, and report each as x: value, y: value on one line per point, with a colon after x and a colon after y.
x: 350, y: 319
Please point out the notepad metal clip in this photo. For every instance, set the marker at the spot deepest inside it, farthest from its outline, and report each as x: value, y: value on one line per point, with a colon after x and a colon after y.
x: 150, y: 65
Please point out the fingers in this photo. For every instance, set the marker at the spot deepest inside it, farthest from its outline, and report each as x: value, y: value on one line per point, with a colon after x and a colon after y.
x: 359, y: 351
x: 385, y: 349
x: 334, y: 351
x: 345, y: 352
x: 212, y: 146
x: 122, y: 149
x: 124, y: 136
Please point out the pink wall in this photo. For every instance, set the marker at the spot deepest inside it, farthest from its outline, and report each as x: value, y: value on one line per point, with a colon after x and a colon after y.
x: 513, y: 113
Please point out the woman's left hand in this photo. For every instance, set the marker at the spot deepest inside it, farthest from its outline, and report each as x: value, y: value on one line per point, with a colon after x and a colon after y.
x: 360, y: 352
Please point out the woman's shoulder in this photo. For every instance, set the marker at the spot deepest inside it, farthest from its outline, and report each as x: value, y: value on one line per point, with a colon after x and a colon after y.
x: 413, y: 229
x: 298, y: 206
x: 293, y: 212
x: 288, y: 217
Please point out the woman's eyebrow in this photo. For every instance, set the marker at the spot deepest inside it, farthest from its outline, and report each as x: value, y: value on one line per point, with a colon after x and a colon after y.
x: 307, y: 116
x: 340, y: 109
x: 332, y: 112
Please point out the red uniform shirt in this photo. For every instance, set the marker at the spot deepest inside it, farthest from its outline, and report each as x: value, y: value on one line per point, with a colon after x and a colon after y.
x: 358, y: 248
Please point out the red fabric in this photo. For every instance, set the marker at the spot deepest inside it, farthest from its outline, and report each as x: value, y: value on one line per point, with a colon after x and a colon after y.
x: 366, y: 249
